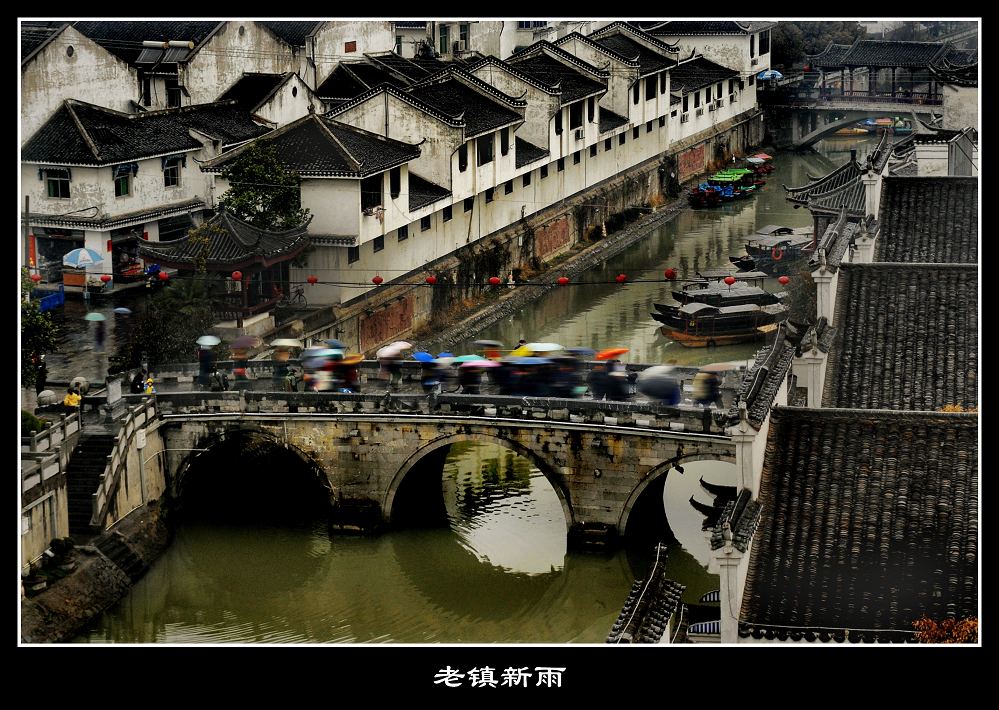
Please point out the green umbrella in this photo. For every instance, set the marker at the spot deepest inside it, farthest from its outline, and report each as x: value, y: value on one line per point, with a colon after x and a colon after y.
x: 468, y: 358
x: 94, y: 315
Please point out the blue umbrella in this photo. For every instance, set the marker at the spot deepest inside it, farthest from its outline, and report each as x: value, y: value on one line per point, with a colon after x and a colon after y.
x: 81, y: 257
x: 336, y: 344
x: 581, y: 351
x: 530, y: 360
x: 769, y: 74
x: 445, y: 354
x: 121, y: 310
x: 423, y: 357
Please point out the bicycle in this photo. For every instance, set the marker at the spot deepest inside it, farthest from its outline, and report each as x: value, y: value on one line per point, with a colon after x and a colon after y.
x: 295, y: 299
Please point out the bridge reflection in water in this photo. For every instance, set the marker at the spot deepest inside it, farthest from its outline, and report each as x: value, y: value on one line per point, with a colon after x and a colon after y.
x: 496, y: 571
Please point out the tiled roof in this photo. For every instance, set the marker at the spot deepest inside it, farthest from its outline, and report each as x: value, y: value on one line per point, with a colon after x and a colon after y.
x: 737, y: 522
x: 819, y: 336
x: 423, y: 192
x: 881, y: 53
x: 850, y: 195
x: 928, y: 219
x: 870, y: 521
x: 37, y: 33
x: 761, y: 381
x: 961, y: 57
x: 294, y: 33
x: 551, y: 72
x: 834, y: 243
x: 610, y: 120
x: 372, y: 75
x: 318, y: 146
x: 527, y: 152
x: 344, y: 83
x: 908, y: 337
x: 845, y: 173
x: 831, y: 56
x: 406, y: 67
x: 591, y: 42
x: 960, y: 76
x: 697, y: 73
x: 644, y: 618
x: 699, y: 27
x: 237, y: 245
x: 84, y: 134
x: 252, y: 89
x: 481, y: 113
x: 124, y: 38
x: 648, y: 60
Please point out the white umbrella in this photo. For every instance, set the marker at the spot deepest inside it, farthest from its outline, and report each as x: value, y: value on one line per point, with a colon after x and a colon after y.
x: 82, y: 257
x: 543, y: 347
x: 401, y: 344
x: 392, y: 350
x: 208, y: 340
x: 286, y: 343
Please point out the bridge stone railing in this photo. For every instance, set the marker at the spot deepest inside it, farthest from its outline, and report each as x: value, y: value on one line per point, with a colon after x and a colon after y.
x: 137, y: 418
x: 497, y: 407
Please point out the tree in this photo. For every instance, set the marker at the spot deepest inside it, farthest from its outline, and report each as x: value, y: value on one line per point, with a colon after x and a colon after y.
x: 262, y: 191
x: 793, y: 40
x: 39, y: 334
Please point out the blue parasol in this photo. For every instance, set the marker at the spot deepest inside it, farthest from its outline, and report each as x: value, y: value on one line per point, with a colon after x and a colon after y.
x: 423, y: 357
x: 78, y: 258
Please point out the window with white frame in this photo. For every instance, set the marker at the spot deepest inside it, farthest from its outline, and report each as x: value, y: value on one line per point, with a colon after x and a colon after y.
x: 57, y: 182
x: 171, y: 172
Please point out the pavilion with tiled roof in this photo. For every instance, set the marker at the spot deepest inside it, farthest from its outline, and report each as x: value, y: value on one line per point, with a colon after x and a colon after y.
x: 262, y: 256
x: 870, y: 522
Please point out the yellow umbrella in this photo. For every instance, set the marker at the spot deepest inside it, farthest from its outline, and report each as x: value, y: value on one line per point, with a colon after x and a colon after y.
x: 522, y: 351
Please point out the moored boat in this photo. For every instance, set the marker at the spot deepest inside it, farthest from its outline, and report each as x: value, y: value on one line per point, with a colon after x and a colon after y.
x: 773, y: 248
x: 699, y: 325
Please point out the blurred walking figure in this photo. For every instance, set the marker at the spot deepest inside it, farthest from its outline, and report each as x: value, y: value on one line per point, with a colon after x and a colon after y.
x: 41, y: 373
x: 707, y: 389
x: 218, y: 381
x: 139, y: 382
x: 99, y: 334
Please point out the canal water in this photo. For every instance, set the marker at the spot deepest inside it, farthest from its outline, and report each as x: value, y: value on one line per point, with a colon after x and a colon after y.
x: 499, y: 571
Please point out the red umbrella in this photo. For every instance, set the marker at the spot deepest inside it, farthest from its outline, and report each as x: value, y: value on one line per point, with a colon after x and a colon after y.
x: 610, y: 353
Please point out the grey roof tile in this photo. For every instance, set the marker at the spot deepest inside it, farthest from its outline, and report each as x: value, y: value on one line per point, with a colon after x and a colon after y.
x: 907, y: 337
x: 928, y: 219
x: 869, y: 522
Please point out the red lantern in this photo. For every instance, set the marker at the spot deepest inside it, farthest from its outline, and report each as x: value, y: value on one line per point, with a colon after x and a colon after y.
x: 105, y: 278
x: 621, y: 278
x: 237, y: 275
x: 730, y: 280
x: 562, y: 280
x: 494, y: 280
x: 784, y: 280
x: 431, y: 280
x: 377, y: 280
x: 164, y: 276
x: 670, y: 273
x: 312, y: 280
x: 36, y: 277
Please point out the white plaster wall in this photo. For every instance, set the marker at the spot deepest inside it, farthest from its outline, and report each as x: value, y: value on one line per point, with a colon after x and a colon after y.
x: 960, y: 106
x: 618, y: 96
x: 541, y: 106
x: 221, y: 61
x: 730, y: 51
x: 931, y: 159
x: 331, y: 40
x: 289, y: 103
x: 92, y: 74
x: 410, y: 40
x: 335, y: 204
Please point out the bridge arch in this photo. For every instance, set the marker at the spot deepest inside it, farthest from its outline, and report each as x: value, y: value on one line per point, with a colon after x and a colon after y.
x: 658, y: 472
x: 553, y: 478
x: 851, y: 117
x: 251, y: 439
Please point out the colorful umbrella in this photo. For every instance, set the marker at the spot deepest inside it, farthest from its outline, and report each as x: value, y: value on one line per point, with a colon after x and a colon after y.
x: 94, y: 315
x: 81, y: 257
x: 610, y: 353
x: 445, y: 354
x: 522, y: 351
x: 286, y: 343
x: 479, y: 363
x: 659, y: 382
x: 316, y: 351
x: 581, y: 352
x: 353, y: 359
x: 488, y: 343
x: 392, y: 350
x: 530, y: 360
x: 543, y: 347
x: 121, y: 310
x: 468, y: 358
x: 423, y: 357
x: 763, y: 156
x: 208, y: 340
x: 333, y: 343
x: 447, y: 360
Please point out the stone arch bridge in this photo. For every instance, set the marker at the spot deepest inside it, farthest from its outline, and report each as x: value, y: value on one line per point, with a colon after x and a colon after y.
x: 598, y: 456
